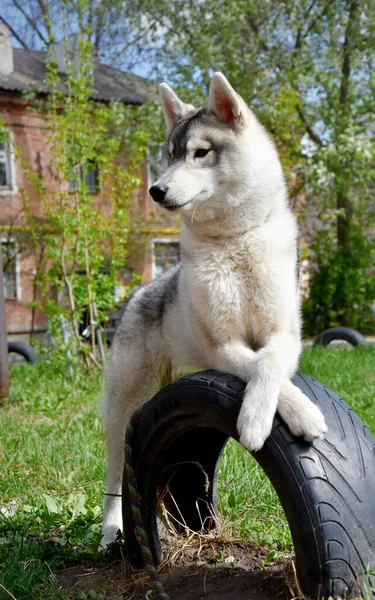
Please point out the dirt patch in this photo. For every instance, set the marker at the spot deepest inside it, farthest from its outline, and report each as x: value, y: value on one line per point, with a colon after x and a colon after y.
x: 219, y: 571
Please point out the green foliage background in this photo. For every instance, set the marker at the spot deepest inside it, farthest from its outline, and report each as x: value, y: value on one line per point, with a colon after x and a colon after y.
x: 306, y: 68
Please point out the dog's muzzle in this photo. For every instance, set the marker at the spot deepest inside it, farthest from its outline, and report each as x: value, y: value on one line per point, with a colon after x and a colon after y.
x: 158, y: 192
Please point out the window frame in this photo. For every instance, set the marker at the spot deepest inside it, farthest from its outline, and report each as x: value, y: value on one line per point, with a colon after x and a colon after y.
x: 11, y: 240
x: 10, y: 189
x: 73, y: 184
x: 162, y: 240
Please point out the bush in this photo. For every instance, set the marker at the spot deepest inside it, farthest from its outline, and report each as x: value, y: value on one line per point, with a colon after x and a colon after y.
x: 342, y: 284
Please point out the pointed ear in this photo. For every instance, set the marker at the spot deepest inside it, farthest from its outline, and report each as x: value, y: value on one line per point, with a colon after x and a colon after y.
x: 173, y: 107
x: 225, y: 103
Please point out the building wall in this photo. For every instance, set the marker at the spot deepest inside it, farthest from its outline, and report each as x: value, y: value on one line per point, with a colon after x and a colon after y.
x: 29, y: 134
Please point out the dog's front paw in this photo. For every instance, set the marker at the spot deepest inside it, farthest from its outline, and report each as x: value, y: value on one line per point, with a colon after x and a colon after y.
x: 255, y: 421
x: 301, y: 415
x: 311, y: 423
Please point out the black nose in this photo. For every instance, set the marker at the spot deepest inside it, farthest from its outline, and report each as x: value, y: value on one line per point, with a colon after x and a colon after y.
x: 158, y: 192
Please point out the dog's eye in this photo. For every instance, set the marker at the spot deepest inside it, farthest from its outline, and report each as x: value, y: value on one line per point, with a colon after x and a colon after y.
x: 201, y: 152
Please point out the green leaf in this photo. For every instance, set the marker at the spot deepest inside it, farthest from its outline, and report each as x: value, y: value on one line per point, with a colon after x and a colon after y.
x: 270, y: 557
x: 50, y: 503
x: 77, y: 504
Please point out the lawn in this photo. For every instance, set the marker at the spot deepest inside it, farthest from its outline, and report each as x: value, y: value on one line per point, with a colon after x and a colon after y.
x: 52, y: 461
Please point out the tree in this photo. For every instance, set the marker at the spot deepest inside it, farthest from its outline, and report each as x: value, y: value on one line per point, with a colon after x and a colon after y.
x: 306, y: 67
x: 37, y: 24
x: 95, y: 153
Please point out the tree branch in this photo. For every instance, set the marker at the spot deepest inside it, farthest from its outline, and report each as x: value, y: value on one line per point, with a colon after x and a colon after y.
x: 309, y: 128
x: 255, y: 29
x: 299, y: 33
x: 312, y: 133
x: 300, y: 36
x: 46, y: 18
x: 31, y: 21
x: 98, y: 32
x: 132, y: 42
x: 348, y: 47
x: 13, y: 32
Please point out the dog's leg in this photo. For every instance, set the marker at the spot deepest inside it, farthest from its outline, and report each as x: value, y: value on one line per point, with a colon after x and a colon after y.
x: 130, y: 384
x: 233, y: 357
x: 302, y: 416
x: 275, y: 362
x: 261, y: 371
x: 268, y: 390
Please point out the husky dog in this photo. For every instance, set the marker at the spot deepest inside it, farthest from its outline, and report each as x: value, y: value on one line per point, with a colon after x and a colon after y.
x: 232, y: 304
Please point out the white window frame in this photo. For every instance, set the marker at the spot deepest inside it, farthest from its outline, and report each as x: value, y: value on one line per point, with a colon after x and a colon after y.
x: 11, y: 163
x: 12, y: 240
x: 161, y: 240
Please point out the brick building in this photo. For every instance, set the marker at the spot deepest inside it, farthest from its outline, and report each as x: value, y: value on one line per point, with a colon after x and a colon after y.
x: 152, y: 248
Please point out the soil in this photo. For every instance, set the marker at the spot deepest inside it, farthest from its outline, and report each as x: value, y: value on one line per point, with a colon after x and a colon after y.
x: 235, y: 571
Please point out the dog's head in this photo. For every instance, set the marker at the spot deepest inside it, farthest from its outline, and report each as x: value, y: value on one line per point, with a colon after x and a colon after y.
x: 217, y: 156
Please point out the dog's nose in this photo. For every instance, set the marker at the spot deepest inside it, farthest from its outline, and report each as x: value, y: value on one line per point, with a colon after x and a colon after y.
x: 158, y: 192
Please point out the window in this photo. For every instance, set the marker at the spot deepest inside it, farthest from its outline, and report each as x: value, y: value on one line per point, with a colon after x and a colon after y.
x: 9, y: 253
x: 91, y: 177
x: 165, y: 255
x: 7, y: 175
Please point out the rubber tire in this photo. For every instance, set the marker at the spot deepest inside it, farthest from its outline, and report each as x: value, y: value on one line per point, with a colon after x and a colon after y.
x: 346, y: 334
x: 327, y: 488
x: 24, y: 350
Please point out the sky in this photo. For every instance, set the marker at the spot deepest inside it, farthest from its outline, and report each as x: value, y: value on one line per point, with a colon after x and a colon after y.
x: 118, y: 51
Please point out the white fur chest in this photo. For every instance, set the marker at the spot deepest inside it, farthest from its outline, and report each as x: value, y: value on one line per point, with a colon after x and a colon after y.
x: 241, y: 286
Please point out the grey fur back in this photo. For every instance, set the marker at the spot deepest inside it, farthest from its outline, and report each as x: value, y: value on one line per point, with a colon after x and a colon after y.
x: 151, y: 300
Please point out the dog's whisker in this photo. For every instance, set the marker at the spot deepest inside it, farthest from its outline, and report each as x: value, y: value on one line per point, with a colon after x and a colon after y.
x: 195, y: 208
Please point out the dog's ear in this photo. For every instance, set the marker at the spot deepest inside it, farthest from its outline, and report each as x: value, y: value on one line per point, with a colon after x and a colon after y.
x: 173, y: 107
x: 225, y: 103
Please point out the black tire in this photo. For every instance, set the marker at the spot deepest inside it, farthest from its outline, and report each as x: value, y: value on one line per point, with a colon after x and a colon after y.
x: 327, y: 488
x: 346, y: 334
x: 24, y: 350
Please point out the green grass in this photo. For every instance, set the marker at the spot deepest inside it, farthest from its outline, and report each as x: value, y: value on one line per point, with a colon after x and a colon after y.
x: 351, y: 373
x: 52, y: 461
x: 52, y: 465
